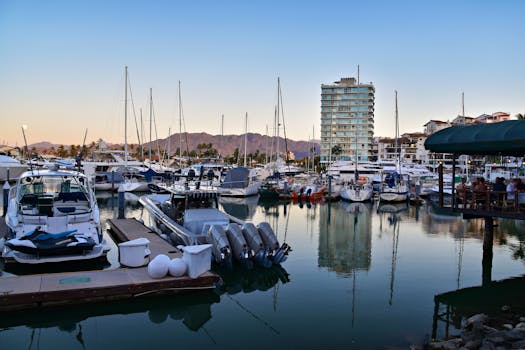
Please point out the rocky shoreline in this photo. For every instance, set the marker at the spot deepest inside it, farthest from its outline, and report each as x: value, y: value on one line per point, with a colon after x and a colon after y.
x: 484, y: 333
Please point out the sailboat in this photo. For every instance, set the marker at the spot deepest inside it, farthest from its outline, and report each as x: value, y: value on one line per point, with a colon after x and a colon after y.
x: 394, y: 187
x: 241, y: 181
x: 360, y: 190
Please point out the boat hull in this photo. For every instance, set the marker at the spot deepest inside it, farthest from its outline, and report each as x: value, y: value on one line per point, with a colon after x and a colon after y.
x: 353, y: 195
x: 393, y: 196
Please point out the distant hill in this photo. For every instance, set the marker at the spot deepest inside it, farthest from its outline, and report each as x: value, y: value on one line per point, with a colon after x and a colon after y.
x: 225, y: 145
x: 40, y: 146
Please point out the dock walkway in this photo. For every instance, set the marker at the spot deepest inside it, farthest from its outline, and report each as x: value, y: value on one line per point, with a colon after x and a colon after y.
x: 123, y: 230
x: 24, y: 292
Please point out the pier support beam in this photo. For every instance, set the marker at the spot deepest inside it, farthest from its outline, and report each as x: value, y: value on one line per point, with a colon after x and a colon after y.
x: 5, y: 197
x: 488, y: 240
x: 121, y: 193
x: 440, y: 174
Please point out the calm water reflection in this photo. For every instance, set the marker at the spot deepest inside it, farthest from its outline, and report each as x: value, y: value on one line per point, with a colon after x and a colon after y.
x: 359, y: 276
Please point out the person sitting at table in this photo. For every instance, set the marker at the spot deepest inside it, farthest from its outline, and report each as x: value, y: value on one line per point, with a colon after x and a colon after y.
x: 462, y: 186
x: 498, y: 192
x: 499, y: 185
x: 480, y: 185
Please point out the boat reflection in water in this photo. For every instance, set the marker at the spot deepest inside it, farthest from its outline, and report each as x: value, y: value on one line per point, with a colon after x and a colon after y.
x: 241, y: 208
x: 193, y: 310
x: 238, y: 279
x: 345, y: 241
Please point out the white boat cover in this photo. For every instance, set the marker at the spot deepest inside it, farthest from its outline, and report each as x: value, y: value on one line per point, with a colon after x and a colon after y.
x: 196, y: 219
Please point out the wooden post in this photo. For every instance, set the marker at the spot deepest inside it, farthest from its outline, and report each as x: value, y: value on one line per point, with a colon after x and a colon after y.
x: 121, y: 211
x: 329, y: 186
x: 435, y: 319
x: 440, y: 172
x: 5, y: 198
x: 453, y: 182
x: 488, y: 240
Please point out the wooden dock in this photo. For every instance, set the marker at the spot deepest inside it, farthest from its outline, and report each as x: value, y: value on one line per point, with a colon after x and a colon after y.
x: 24, y: 292
x: 123, y: 230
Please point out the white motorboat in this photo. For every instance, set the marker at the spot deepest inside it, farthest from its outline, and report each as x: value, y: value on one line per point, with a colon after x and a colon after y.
x: 361, y: 191
x: 53, y: 217
x: 12, y: 165
x: 190, y: 216
x: 240, y: 182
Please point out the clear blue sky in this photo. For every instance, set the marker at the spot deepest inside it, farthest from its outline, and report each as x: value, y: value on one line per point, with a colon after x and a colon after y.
x: 62, y: 62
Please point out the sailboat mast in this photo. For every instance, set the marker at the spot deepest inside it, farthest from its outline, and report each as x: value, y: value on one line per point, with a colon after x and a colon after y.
x: 266, y: 148
x: 141, y: 136
x: 222, y: 134
x: 464, y: 122
x: 278, y: 119
x: 312, y: 150
x: 169, y: 145
x: 463, y: 107
x: 356, y: 175
x: 150, y: 121
x: 245, y: 136
x: 398, y: 150
x: 126, y: 118
x: 180, y: 129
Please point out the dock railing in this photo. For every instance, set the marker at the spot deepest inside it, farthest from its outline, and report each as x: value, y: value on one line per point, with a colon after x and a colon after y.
x: 490, y: 202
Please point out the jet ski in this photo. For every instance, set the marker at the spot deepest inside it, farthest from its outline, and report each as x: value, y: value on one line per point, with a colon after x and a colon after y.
x: 43, y: 243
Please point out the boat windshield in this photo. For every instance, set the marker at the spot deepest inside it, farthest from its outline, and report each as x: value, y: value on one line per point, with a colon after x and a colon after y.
x: 51, y: 184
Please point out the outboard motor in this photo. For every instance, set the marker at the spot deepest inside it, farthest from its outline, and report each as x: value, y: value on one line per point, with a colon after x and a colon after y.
x: 308, y: 193
x: 279, y: 254
x: 191, y: 174
x: 239, y: 246
x: 255, y: 243
x: 210, y: 175
x: 221, y: 247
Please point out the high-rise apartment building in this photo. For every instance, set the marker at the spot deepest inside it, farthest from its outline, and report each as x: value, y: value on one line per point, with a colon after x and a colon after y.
x: 347, y: 120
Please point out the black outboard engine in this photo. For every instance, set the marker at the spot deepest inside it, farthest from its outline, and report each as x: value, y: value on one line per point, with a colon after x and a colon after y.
x: 279, y: 254
x: 191, y: 174
x: 255, y: 243
x: 308, y: 192
x: 210, y: 175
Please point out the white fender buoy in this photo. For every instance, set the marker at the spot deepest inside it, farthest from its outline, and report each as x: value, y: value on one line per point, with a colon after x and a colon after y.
x: 177, y: 267
x: 158, y: 267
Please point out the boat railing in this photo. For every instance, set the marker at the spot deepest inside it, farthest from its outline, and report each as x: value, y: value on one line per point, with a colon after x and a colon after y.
x: 188, y: 237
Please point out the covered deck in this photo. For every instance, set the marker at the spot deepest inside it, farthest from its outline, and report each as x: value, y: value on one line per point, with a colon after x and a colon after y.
x: 501, y: 139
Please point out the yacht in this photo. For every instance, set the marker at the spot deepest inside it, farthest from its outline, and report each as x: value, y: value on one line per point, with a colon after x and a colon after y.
x: 12, y: 165
x: 190, y: 215
x: 53, y: 216
x: 240, y: 182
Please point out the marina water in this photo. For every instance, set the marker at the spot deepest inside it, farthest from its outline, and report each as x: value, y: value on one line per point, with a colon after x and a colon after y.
x: 359, y: 276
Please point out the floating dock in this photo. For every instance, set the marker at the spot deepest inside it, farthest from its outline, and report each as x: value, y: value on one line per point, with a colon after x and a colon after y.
x: 31, y: 291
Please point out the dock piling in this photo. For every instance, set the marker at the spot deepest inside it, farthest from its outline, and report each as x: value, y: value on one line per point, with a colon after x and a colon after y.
x: 121, y: 193
x: 488, y: 240
x: 5, y: 197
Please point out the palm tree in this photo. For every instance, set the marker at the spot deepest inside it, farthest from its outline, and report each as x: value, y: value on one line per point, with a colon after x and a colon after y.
x: 337, y: 150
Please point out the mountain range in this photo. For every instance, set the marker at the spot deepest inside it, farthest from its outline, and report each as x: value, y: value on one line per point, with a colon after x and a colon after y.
x: 226, y: 144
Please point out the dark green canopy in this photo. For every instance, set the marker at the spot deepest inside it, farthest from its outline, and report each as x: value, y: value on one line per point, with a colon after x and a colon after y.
x: 503, y: 138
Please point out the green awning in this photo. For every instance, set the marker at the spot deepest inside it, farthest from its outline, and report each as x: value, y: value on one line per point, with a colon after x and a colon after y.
x: 503, y: 138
